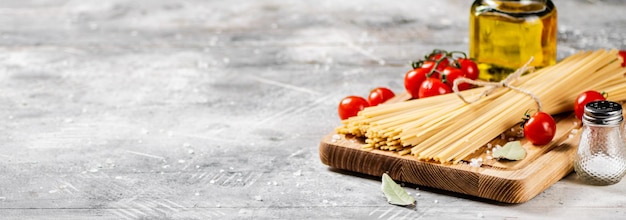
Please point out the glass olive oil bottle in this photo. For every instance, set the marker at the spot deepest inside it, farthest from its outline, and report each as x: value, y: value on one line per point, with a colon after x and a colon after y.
x: 504, y: 34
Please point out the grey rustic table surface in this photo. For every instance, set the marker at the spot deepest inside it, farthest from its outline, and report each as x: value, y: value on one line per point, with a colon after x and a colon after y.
x: 214, y: 109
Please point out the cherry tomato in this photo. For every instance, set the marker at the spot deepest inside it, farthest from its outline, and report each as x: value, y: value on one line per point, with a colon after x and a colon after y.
x: 379, y: 95
x: 442, y: 58
x: 429, y: 64
x: 583, y: 99
x: 450, y: 74
x: 622, y: 53
x: 540, y: 128
x: 413, y: 80
x: 350, y: 106
x: 469, y: 68
x: 433, y: 87
x: 436, y: 55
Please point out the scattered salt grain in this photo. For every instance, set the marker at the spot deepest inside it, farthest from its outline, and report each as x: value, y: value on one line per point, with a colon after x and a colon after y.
x: 93, y: 170
x: 181, y: 161
x: 258, y: 198
x: 190, y: 151
x: 221, y: 171
x: 417, y: 194
x: 572, y: 133
x: 118, y: 177
x: 197, y: 194
x: 53, y: 191
x: 298, y: 173
x: 436, y: 201
x: 335, y: 138
x: 476, y: 162
x: 212, y: 181
x: 489, y: 158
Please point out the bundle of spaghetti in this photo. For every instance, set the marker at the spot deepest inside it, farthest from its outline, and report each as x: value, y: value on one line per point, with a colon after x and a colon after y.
x: 392, y: 126
x: 381, y: 124
x: 445, y: 129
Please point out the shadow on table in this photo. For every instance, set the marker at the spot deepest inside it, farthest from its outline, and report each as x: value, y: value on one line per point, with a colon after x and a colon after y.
x: 425, y: 188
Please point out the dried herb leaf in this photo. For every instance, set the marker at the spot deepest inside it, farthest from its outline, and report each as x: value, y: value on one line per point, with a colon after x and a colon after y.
x: 512, y: 150
x: 394, y: 193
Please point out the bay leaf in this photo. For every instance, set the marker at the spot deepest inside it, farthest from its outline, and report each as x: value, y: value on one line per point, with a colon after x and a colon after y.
x: 394, y: 193
x: 512, y: 150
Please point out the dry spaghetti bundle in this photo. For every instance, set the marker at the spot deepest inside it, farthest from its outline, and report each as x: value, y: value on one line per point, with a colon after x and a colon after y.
x: 446, y: 129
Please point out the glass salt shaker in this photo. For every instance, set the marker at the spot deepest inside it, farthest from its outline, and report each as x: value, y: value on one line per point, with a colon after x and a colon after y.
x: 601, y: 157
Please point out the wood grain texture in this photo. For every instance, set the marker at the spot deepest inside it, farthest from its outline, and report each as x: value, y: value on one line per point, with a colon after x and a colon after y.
x: 509, y: 182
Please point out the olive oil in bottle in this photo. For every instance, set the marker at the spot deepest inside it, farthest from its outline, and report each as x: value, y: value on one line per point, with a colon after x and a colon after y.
x: 505, y: 34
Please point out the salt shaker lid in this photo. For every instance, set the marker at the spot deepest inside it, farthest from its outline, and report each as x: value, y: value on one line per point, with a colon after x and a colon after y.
x: 603, y: 113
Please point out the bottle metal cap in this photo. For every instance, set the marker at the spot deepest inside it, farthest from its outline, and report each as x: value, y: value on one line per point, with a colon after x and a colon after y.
x: 603, y: 113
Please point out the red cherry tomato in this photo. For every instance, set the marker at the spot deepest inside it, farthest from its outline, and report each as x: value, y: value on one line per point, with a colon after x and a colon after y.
x: 350, y: 106
x: 450, y: 74
x: 583, y: 99
x: 442, y: 58
x: 622, y: 53
x: 436, y: 55
x: 540, y: 128
x: 429, y: 64
x: 469, y: 68
x: 413, y: 80
x: 432, y: 87
x: 379, y: 95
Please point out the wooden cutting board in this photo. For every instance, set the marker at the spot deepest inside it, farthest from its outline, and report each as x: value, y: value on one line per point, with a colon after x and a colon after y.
x: 504, y: 181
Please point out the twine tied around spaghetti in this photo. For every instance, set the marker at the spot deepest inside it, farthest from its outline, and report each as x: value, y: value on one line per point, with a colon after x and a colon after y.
x: 495, y: 85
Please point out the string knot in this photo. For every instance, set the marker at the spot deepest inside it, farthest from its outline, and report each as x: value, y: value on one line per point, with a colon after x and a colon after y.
x: 505, y: 83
